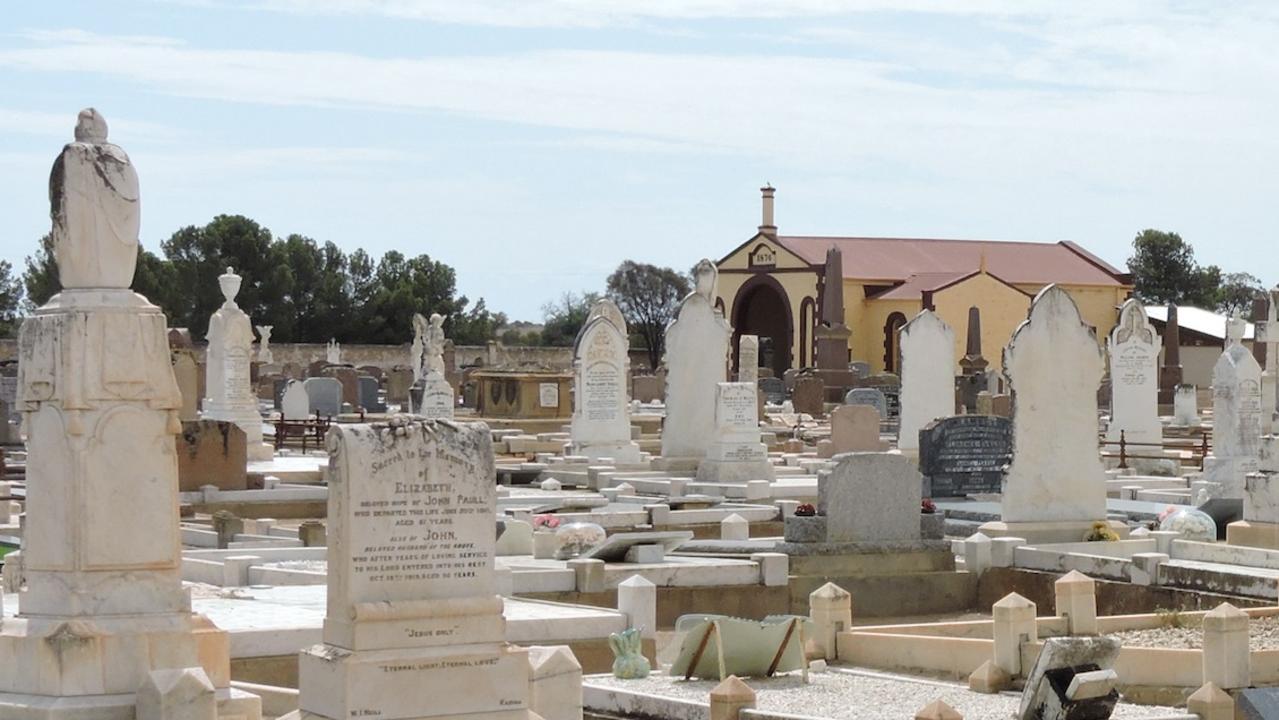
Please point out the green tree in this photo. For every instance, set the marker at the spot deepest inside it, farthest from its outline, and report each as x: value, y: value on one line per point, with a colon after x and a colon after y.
x: 475, y: 326
x: 1237, y: 291
x: 41, y: 276
x: 1164, y: 271
x: 648, y: 297
x: 10, y: 301
x: 200, y: 254
x: 565, y: 318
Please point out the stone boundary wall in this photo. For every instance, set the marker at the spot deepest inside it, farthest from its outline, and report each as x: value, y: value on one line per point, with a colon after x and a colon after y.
x: 388, y: 356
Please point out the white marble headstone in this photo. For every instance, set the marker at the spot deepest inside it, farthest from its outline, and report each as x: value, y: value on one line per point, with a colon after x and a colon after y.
x: 601, y: 425
x: 928, y: 376
x: 1055, y: 366
x: 1134, y: 379
x: 696, y: 362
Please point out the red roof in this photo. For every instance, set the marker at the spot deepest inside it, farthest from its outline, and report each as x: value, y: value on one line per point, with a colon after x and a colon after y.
x: 899, y: 259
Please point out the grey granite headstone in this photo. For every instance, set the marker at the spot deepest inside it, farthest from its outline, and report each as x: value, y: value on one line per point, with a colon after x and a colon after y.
x: 965, y: 454
x: 868, y: 396
x: 870, y: 497
x: 773, y: 389
x: 368, y: 392
x: 1257, y: 703
x: 325, y: 394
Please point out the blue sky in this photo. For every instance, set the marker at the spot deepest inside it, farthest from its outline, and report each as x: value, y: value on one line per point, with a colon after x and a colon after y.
x: 533, y: 144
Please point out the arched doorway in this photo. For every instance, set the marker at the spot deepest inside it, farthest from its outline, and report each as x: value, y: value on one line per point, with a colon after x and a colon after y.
x: 762, y: 308
x: 892, y: 337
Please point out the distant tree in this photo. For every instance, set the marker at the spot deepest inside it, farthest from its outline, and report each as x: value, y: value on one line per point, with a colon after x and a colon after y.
x: 648, y: 297
x: 10, y: 301
x: 1237, y: 291
x: 200, y: 254
x: 565, y: 317
x: 475, y: 326
x: 1164, y: 271
x: 41, y: 276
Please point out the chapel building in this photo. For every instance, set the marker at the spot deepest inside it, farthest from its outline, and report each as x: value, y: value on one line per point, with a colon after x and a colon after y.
x: 772, y: 286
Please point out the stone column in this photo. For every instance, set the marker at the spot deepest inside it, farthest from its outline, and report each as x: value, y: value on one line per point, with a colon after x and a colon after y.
x: 1170, y: 374
x: 831, y: 609
x: 637, y: 600
x: 1014, y: 623
x: 730, y: 698
x: 1076, y: 596
x: 1225, y: 650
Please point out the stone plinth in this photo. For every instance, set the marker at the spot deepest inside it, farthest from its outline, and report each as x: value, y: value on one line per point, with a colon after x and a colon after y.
x: 403, y: 639
x: 736, y: 453
x: 601, y: 426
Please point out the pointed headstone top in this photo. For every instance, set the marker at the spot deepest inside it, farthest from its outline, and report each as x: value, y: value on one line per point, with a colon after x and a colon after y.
x: 1013, y: 601
x: 830, y: 591
x: 1209, y: 693
x: 637, y: 581
x: 938, y: 710
x: 733, y: 689
x: 1074, y: 577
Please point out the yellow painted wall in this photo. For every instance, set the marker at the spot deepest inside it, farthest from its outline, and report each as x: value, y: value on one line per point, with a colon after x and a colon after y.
x: 1002, y: 309
x: 797, y: 285
x: 868, y: 334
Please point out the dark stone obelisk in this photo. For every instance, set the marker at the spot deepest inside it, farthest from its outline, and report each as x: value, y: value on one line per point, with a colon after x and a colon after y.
x: 832, y: 334
x: 1170, y: 373
x: 973, y: 363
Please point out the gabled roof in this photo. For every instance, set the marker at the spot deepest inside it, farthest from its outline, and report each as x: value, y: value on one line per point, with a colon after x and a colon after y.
x: 898, y: 259
x: 917, y: 286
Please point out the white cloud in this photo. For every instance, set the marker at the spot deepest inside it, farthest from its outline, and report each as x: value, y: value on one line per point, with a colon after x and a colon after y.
x: 609, y: 13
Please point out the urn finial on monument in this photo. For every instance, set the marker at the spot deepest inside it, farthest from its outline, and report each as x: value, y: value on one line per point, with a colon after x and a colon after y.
x: 93, y: 202
x: 229, y: 282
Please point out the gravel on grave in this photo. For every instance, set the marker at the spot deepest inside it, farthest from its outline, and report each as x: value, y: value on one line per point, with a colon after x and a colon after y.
x: 845, y: 695
x: 1263, y: 634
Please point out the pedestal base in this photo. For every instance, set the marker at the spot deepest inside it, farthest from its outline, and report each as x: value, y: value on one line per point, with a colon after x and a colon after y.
x: 476, y: 681
x: 622, y: 453
x: 1068, y: 531
x: 232, y: 705
x: 732, y: 471
x: 1251, y: 533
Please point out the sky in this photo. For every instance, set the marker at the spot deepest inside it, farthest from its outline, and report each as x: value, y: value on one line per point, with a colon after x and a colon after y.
x: 535, y: 144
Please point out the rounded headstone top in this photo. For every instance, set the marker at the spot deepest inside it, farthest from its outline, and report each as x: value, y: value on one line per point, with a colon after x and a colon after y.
x: 230, y: 284
x: 90, y: 127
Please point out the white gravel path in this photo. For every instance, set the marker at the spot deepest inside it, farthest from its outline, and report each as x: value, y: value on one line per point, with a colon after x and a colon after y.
x: 856, y: 695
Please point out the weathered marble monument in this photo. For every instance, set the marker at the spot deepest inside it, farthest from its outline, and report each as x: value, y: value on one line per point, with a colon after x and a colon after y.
x: 601, y: 426
x: 228, y: 380
x: 928, y: 376
x: 736, y: 453
x: 432, y: 396
x: 1134, y: 385
x: 104, y: 615
x: 696, y: 362
x: 1055, y: 488
x: 422, y: 636
x: 264, y: 344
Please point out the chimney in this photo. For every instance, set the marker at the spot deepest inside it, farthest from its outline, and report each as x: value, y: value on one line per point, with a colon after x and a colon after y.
x: 767, y: 227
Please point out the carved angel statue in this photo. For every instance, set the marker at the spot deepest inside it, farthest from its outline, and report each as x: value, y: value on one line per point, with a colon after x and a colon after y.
x: 434, y: 345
